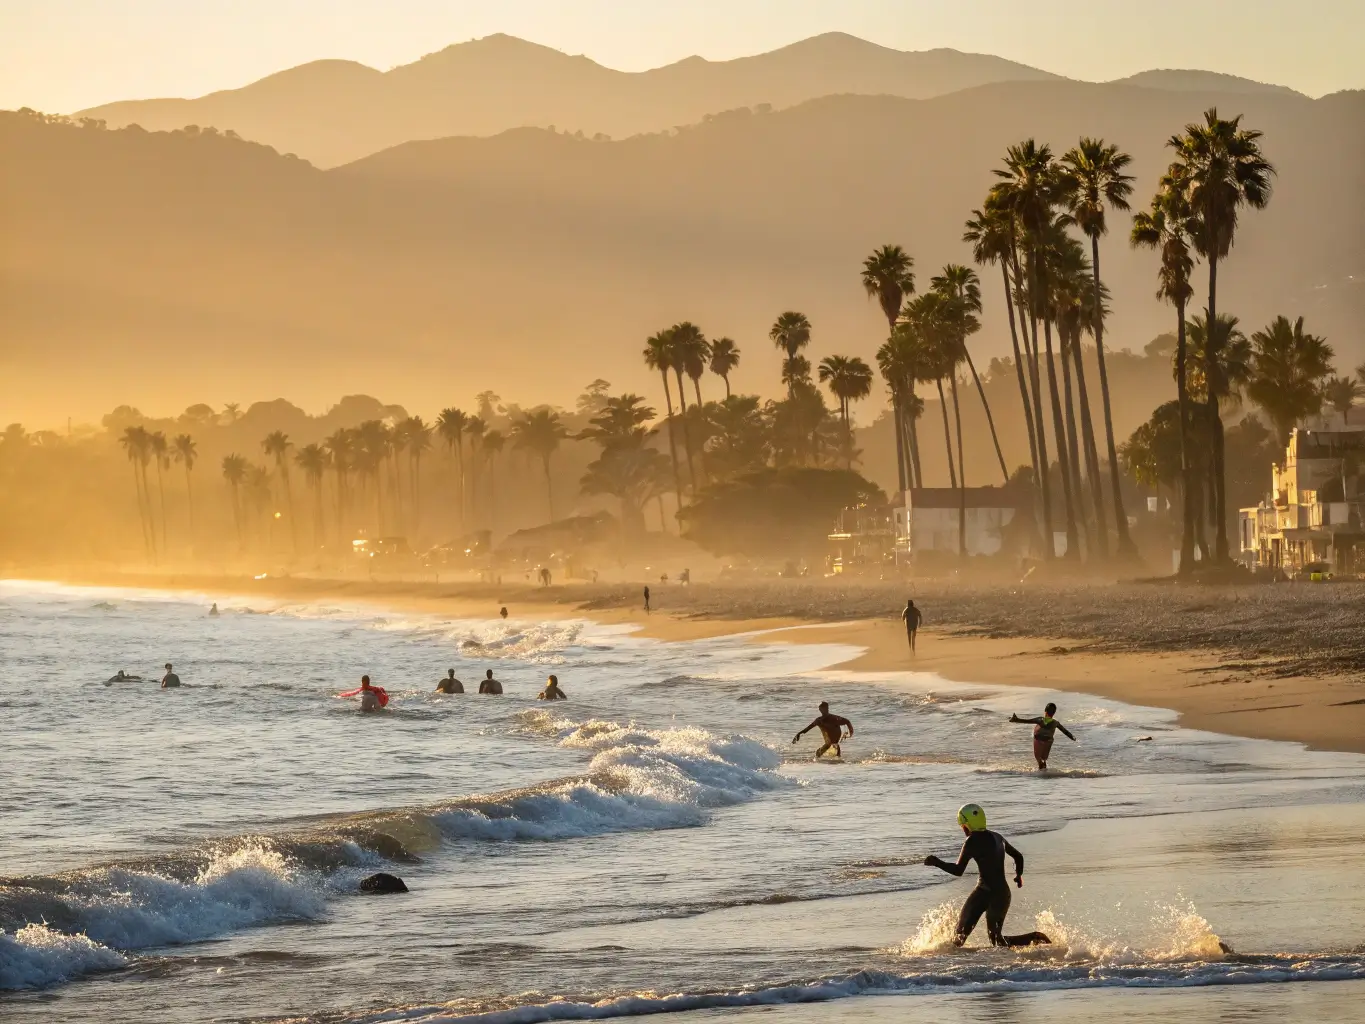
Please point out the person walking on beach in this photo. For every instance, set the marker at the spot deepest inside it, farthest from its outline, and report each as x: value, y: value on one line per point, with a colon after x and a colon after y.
x: 830, y: 727
x: 646, y: 600
x: 912, y: 618
x: 450, y: 684
x: 170, y: 679
x: 992, y: 893
x: 1044, y: 732
x: 552, y: 691
x: 490, y: 685
x: 503, y: 612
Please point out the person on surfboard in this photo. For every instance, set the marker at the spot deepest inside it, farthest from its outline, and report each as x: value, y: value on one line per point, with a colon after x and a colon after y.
x: 830, y: 727
x: 1044, y: 732
x: 992, y: 893
x: 372, y: 698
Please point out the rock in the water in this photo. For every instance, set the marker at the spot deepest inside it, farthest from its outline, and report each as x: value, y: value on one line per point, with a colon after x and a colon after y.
x: 383, y: 882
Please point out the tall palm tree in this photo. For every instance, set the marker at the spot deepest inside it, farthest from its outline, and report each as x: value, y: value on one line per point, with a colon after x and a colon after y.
x: 342, y: 449
x: 313, y: 460
x: 1288, y: 366
x: 1341, y: 394
x: 899, y: 360
x: 476, y: 427
x: 136, y: 444
x: 685, y: 343
x: 1094, y: 179
x: 889, y: 277
x: 1165, y: 227
x: 276, y: 445
x: 963, y: 287
x: 450, y: 426
x: 724, y: 358
x: 539, y: 433
x: 658, y: 356
x: 186, y: 452
x: 418, y: 437
x: 491, y: 448
x: 234, y: 472
x: 791, y: 333
x: 160, y: 450
x: 849, y: 380
x: 1221, y: 168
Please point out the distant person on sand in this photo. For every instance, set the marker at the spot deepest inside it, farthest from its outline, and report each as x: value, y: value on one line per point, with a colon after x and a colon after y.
x: 646, y: 599
x: 912, y: 618
x: 830, y: 727
x: 450, y: 684
x: 489, y: 684
x: 552, y: 691
x: 992, y: 893
x: 1044, y: 732
x: 170, y: 678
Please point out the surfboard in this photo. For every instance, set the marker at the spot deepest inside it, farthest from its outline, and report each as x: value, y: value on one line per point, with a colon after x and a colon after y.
x: 1030, y: 939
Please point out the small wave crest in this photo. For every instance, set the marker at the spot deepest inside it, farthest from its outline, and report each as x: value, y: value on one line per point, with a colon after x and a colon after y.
x: 37, y: 956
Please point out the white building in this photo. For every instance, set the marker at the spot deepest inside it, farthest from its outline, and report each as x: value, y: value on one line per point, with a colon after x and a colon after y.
x: 926, y: 521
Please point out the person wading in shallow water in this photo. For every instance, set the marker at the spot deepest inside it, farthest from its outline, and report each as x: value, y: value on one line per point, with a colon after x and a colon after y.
x: 992, y: 893
x: 552, y: 691
x: 830, y: 727
x: 170, y: 679
x: 489, y: 684
x: 1044, y: 732
x: 912, y: 618
x: 450, y: 684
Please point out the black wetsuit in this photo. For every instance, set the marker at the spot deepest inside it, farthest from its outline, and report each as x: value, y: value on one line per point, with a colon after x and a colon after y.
x: 992, y: 893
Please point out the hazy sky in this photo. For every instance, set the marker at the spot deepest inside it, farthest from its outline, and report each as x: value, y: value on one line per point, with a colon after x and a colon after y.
x: 62, y: 55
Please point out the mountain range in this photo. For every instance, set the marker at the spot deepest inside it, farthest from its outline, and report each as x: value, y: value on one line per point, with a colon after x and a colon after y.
x: 160, y: 268
x: 331, y: 112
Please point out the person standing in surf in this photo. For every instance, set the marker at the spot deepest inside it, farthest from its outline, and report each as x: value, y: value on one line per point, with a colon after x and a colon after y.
x: 450, y: 684
x: 170, y: 679
x: 489, y: 685
x: 992, y: 893
x: 831, y: 727
x: 372, y: 698
x: 552, y: 691
x: 912, y: 618
x: 1044, y: 732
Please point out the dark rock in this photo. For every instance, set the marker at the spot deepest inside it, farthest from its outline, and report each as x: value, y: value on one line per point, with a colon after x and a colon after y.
x: 383, y: 882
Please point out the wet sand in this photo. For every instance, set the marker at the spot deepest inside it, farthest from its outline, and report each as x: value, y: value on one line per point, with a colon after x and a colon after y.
x: 1283, y: 662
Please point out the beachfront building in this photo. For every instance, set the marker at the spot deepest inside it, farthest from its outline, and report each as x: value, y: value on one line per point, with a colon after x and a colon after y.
x: 926, y: 522
x: 863, y: 540
x: 1315, y: 507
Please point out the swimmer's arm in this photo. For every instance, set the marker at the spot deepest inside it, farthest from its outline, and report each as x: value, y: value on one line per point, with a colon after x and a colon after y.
x: 1018, y: 863
x: 1067, y: 732
x: 963, y: 859
x: 847, y: 724
x: 805, y: 730
x: 1028, y: 721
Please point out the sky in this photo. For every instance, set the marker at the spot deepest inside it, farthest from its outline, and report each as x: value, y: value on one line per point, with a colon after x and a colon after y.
x: 63, y: 55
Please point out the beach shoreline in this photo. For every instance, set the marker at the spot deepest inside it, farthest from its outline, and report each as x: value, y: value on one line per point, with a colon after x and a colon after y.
x: 1212, y: 687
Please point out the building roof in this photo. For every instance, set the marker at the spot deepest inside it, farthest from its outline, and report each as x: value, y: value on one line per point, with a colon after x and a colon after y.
x: 976, y: 497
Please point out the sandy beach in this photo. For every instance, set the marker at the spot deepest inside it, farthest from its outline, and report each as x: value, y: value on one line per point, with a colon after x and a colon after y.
x: 1268, y: 662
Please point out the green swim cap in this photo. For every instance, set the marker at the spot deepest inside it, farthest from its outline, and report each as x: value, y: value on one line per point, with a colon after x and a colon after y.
x: 972, y: 816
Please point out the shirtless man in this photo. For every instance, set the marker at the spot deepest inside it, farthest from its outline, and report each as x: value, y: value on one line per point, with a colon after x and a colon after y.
x: 830, y: 727
x: 450, y: 684
x: 489, y: 684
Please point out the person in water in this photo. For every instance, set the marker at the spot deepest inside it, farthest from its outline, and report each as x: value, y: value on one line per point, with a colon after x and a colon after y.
x: 170, y: 678
x: 369, y: 696
x: 122, y: 677
x: 1044, y: 732
x: 552, y: 691
x: 450, y: 684
x: 489, y: 684
x: 830, y: 727
x: 214, y: 609
x: 912, y: 618
x: 992, y: 893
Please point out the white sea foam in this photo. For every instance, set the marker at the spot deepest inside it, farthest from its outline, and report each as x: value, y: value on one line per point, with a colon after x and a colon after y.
x: 36, y: 956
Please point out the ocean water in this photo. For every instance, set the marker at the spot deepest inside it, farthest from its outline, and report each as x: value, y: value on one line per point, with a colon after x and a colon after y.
x: 656, y: 843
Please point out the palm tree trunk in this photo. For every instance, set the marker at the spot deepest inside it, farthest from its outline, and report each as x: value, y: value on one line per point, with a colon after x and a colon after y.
x: 1217, y: 499
x: 1059, y: 432
x: 161, y: 497
x: 1092, y: 457
x: 898, y: 428
x: 947, y: 434
x: 189, y: 504
x: 141, y: 513
x: 1187, y: 478
x: 1123, y: 542
x: 1073, y: 442
x: 990, y: 420
x: 726, y: 378
x: 1044, y: 464
x: 549, y: 490
x: 912, y: 438
x: 962, y: 477
x: 289, y: 503
x: 687, y: 437
x: 672, y: 438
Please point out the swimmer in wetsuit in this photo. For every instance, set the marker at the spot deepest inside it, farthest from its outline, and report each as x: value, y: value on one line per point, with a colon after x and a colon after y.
x: 552, y: 691
x: 1044, y: 732
x: 830, y: 727
x: 992, y: 893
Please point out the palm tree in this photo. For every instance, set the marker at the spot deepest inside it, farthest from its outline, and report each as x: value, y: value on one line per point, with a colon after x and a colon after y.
x: 849, y: 380
x: 685, y: 345
x: 791, y: 333
x: 313, y: 460
x: 450, y: 425
x: 186, y: 452
x: 276, y: 445
x: 476, y: 427
x: 889, y: 277
x: 961, y: 284
x: 160, y: 450
x: 418, y: 437
x: 540, y: 432
x: 899, y: 360
x: 136, y: 444
x: 491, y: 447
x: 658, y: 356
x: 232, y: 412
x: 724, y: 358
x: 342, y: 449
x: 1166, y: 228
x: 234, y: 472
x: 1093, y: 180
x: 1341, y: 394
x: 1220, y: 167
x: 1288, y: 366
